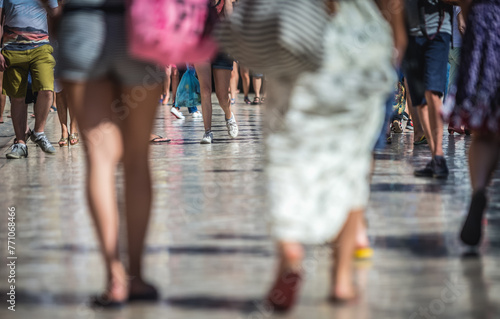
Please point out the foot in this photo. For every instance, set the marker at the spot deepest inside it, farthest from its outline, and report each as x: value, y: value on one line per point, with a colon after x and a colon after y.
x: 18, y: 150
x: 117, y: 291
x: 397, y: 127
x: 283, y: 294
x: 256, y: 101
x: 420, y: 141
x: 74, y: 139
x: 177, y: 113
x: 409, y: 125
x: 197, y: 115
x: 232, y: 127
x: 233, y: 101
x: 42, y: 141
x: 427, y: 171
x: 343, y: 294
x: 247, y: 100
x: 153, y: 138
x: 165, y: 100
x: 142, y: 291
x: 63, y: 141
x: 472, y: 229
x: 440, y: 169
x: 207, y: 138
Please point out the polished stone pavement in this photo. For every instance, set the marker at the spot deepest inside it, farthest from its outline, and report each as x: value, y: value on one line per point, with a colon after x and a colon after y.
x: 208, y: 248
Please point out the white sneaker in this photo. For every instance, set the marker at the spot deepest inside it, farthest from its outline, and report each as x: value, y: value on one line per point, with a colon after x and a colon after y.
x: 232, y: 127
x: 175, y: 112
x: 208, y: 138
x: 197, y: 115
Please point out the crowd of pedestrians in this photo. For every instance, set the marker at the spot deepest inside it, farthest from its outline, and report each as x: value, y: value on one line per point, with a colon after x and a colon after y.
x: 419, y: 54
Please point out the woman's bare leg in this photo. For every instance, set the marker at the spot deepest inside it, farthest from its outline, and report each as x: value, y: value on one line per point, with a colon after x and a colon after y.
x: 103, y: 145
x: 257, y: 85
x: 222, y: 78
x: 62, y: 113
x: 166, y: 85
x: 175, y: 82
x: 245, y: 80
x: 342, y: 277
x: 136, y: 130
x: 204, y: 72
x: 234, y: 81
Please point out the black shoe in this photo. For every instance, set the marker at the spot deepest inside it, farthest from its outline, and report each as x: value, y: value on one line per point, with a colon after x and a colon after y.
x: 440, y: 169
x: 427, y: 171
x: 472, y: 228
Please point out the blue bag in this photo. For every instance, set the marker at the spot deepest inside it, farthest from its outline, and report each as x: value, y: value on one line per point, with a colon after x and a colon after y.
x: 188, y: 92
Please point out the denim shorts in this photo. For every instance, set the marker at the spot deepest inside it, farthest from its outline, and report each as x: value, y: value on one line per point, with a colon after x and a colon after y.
x: 223, y: 61
x: 425, y: 66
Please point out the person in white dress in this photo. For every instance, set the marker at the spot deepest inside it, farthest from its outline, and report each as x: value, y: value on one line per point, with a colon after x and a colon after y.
x: 319, y: 148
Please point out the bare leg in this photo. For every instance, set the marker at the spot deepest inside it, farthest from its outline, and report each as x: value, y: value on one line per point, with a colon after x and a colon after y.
x: 175, y: 82
x: 423, y: 115
x: 418, y: 130
x: 204, y: 72
x: 166, y: 85
x: 245, y: 80
x: 436, y: 123
x: 103, y: 145
x: 222, y: 78
x: 19, y: 111
x: 342, y: 284
x: 234, y: 81
x: 136, y: 130
x: 42, y: 108
x: 257, y: 84
x: 62, y: 112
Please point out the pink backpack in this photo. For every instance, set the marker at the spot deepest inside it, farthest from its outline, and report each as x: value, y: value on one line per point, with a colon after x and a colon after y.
x: 170, y: 31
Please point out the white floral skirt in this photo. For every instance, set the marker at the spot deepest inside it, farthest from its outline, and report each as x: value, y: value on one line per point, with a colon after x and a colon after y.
x: 319, y: 145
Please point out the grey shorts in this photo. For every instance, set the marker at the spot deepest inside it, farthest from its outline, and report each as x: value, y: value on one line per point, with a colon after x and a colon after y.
x: 93, y: 44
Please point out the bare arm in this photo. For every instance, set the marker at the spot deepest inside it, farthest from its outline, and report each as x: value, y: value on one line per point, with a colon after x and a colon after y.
x: 3, y: 64
x: 461, y: 23
x: 393, y: 11
x: 228, y: 8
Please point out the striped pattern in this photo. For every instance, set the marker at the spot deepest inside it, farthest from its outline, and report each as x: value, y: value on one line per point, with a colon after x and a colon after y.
x: 275, y: 37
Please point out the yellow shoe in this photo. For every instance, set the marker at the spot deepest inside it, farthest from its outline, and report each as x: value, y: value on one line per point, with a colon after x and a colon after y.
x: 363, y: 253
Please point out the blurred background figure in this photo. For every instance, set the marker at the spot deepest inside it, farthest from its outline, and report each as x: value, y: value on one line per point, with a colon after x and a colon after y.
x: 320, y: 149
x: 103, y: 83
x: 221, y: 68
x: 478, y: 105
x: 172, y: 77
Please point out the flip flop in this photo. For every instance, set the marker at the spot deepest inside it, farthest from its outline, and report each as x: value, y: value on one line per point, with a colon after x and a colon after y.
x: 159, y: 139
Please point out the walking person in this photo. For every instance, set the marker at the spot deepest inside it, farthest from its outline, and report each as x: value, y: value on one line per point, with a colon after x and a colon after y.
x: 477, y: 105
x: 101, y: 81
x: 26, y: 49
x: 221, y: 69
x: 425, y: 68
x: 319, y: 187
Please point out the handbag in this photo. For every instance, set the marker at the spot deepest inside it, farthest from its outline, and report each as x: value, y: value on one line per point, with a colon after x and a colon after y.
x: 170, y: 32
x: 275, y: 37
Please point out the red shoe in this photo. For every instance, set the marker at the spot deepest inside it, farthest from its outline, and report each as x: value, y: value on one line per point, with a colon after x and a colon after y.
x: 283, y: 294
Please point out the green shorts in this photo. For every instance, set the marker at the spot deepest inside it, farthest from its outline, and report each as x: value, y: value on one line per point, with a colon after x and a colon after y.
x: 38, y: 61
